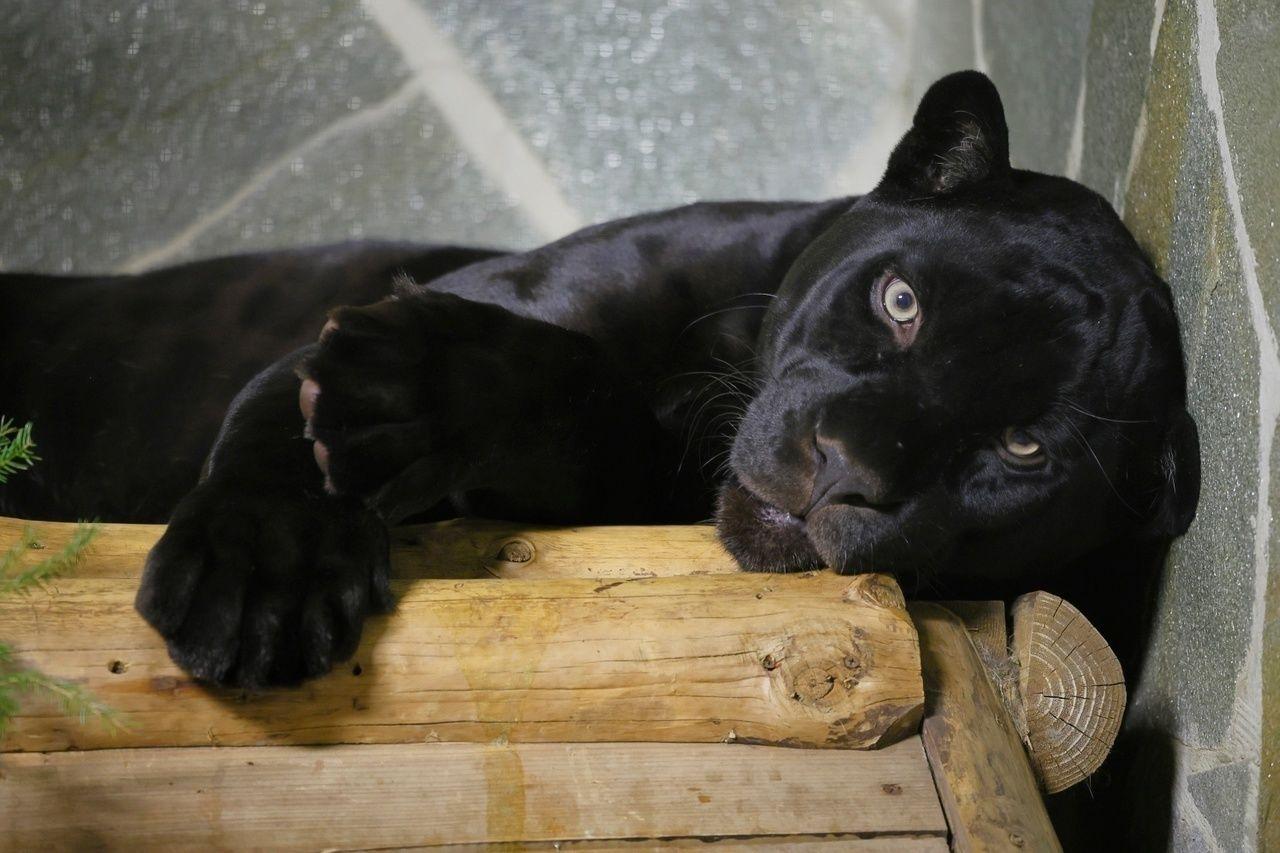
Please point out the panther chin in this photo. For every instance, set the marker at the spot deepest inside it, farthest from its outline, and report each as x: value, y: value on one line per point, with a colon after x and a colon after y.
x: 846, y: 538
x: 759, y: 535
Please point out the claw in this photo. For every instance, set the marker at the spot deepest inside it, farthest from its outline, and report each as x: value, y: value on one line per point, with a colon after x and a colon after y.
x: 308, y: 393
x: 322, y: 456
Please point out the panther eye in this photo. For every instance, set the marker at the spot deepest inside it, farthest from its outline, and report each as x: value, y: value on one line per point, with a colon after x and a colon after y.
x: 900, y: 301
x: 1020, y: 448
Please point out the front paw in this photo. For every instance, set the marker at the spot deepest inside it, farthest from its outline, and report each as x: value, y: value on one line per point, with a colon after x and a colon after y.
x: 254, y: 587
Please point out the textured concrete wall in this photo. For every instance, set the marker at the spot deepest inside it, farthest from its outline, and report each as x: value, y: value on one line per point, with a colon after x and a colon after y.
x: 1171, y: 109
x: 136, y: 133
x: 141, y: 132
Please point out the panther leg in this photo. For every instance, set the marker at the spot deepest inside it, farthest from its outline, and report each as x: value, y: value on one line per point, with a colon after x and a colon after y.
x: 428, y: 395
x: 262, y: 578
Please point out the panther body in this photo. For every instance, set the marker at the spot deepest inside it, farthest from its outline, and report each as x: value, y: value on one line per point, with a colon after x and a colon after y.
x: 971, y: 377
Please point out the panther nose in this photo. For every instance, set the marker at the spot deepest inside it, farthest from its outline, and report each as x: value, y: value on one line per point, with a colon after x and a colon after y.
x: 842, y: 479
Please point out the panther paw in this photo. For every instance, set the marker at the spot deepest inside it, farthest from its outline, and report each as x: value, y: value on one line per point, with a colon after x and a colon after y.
x: 253, y: 588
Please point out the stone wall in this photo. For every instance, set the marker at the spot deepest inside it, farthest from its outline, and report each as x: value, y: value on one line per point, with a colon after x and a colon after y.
x: 140, y: 132
x: 137, y: 133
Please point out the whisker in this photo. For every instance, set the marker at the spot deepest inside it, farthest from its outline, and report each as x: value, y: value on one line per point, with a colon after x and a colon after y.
x: 711, y: 314
x: 1101, y: 470
x: 1089, y: 414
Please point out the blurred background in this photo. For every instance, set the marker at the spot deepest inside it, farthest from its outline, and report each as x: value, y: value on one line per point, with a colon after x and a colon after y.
x: 135, y: 134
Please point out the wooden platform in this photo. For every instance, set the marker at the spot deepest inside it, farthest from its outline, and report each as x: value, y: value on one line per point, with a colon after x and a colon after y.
x: 402, y: 795
x: 611, y: 705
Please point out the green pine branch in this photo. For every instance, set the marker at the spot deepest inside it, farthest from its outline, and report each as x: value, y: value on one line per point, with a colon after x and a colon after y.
x: 74, y: 700
x: 16, y: 578
x: 17, y: 449
x: 23, y: 580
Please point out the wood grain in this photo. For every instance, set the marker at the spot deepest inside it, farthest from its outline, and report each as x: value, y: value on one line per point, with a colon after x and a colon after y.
x: 460, y: 548
x: 1072, y: 689
x: 774, y: 843
x: 382, y: 796
x: 806, y: 660
x: 988, y: 629
x: 987, y: 788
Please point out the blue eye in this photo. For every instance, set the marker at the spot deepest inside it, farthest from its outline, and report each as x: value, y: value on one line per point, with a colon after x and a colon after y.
x: 900, y: 301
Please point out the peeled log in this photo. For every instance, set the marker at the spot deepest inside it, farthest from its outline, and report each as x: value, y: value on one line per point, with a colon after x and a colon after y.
x: 800, y: 660
x: 985, y: 786
x: 460, y: 548
x: 488, y: 549
x: 1071, y: 686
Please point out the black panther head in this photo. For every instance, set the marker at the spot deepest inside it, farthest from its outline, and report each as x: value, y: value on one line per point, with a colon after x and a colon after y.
x: 974, y: 372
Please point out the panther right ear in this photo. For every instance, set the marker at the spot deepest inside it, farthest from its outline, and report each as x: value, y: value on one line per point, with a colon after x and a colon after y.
x: 1179, y: 480
x: 957, y: 138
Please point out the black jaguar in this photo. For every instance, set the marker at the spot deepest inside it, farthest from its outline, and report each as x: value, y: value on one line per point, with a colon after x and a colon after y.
x: 970, y: 377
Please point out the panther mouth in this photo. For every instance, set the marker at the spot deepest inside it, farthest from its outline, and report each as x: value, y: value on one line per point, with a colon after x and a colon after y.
x: 847, y: 536
x: 761, y: 536
x: 775, y: 516
x: 857, y: 537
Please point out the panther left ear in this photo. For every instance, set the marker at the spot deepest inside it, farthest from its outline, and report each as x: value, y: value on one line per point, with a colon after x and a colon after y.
x: 957, y: 138
x: 1179, y: 475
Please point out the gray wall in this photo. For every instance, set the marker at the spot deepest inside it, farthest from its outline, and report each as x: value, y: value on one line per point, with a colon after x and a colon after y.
x: 138, y: 133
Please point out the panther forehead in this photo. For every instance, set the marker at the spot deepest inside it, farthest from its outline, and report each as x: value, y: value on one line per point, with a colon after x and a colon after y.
x: 1035, y: 279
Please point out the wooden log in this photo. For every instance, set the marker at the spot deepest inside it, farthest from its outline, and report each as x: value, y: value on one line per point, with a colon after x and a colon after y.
x: 774, y: 844
x: 460, y: 548
x: 988, y: 791
x: 988, y: 631
x: 807, y: 660
x: 987, y: 627
x: 470, y: 548
x: 426, y: 794
x: 1071, y: 689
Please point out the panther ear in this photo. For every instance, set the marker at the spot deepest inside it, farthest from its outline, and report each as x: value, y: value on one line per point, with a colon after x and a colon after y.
x: 958, y: 137
x: 1179, y: 476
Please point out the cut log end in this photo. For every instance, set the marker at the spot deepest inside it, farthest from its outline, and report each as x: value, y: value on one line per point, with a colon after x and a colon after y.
x: 1071, y: 686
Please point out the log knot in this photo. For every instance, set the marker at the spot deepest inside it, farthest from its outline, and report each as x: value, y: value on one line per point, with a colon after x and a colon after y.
x: 515, y: 551
x: 877, y: 590
x: 812, y: 685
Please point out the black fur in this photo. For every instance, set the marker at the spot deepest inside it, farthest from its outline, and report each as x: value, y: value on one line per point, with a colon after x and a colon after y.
x: 603, y: 378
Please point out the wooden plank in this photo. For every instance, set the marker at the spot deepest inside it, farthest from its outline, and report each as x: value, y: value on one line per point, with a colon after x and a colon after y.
x: 987, y: 789
x: 382, y: 796
x: 893, y: 843
x: 461, y: 548
x: 772, y: 843
x: 814, y: 659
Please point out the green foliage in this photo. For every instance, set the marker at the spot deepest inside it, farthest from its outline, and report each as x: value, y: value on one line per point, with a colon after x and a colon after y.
x: 16, y: 578
x: 19, y: 576
x: 17, y: 450
x: 74, y: 699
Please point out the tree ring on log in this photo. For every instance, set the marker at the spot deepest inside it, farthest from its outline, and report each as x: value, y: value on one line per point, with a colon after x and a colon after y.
x: 1071, y: 686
